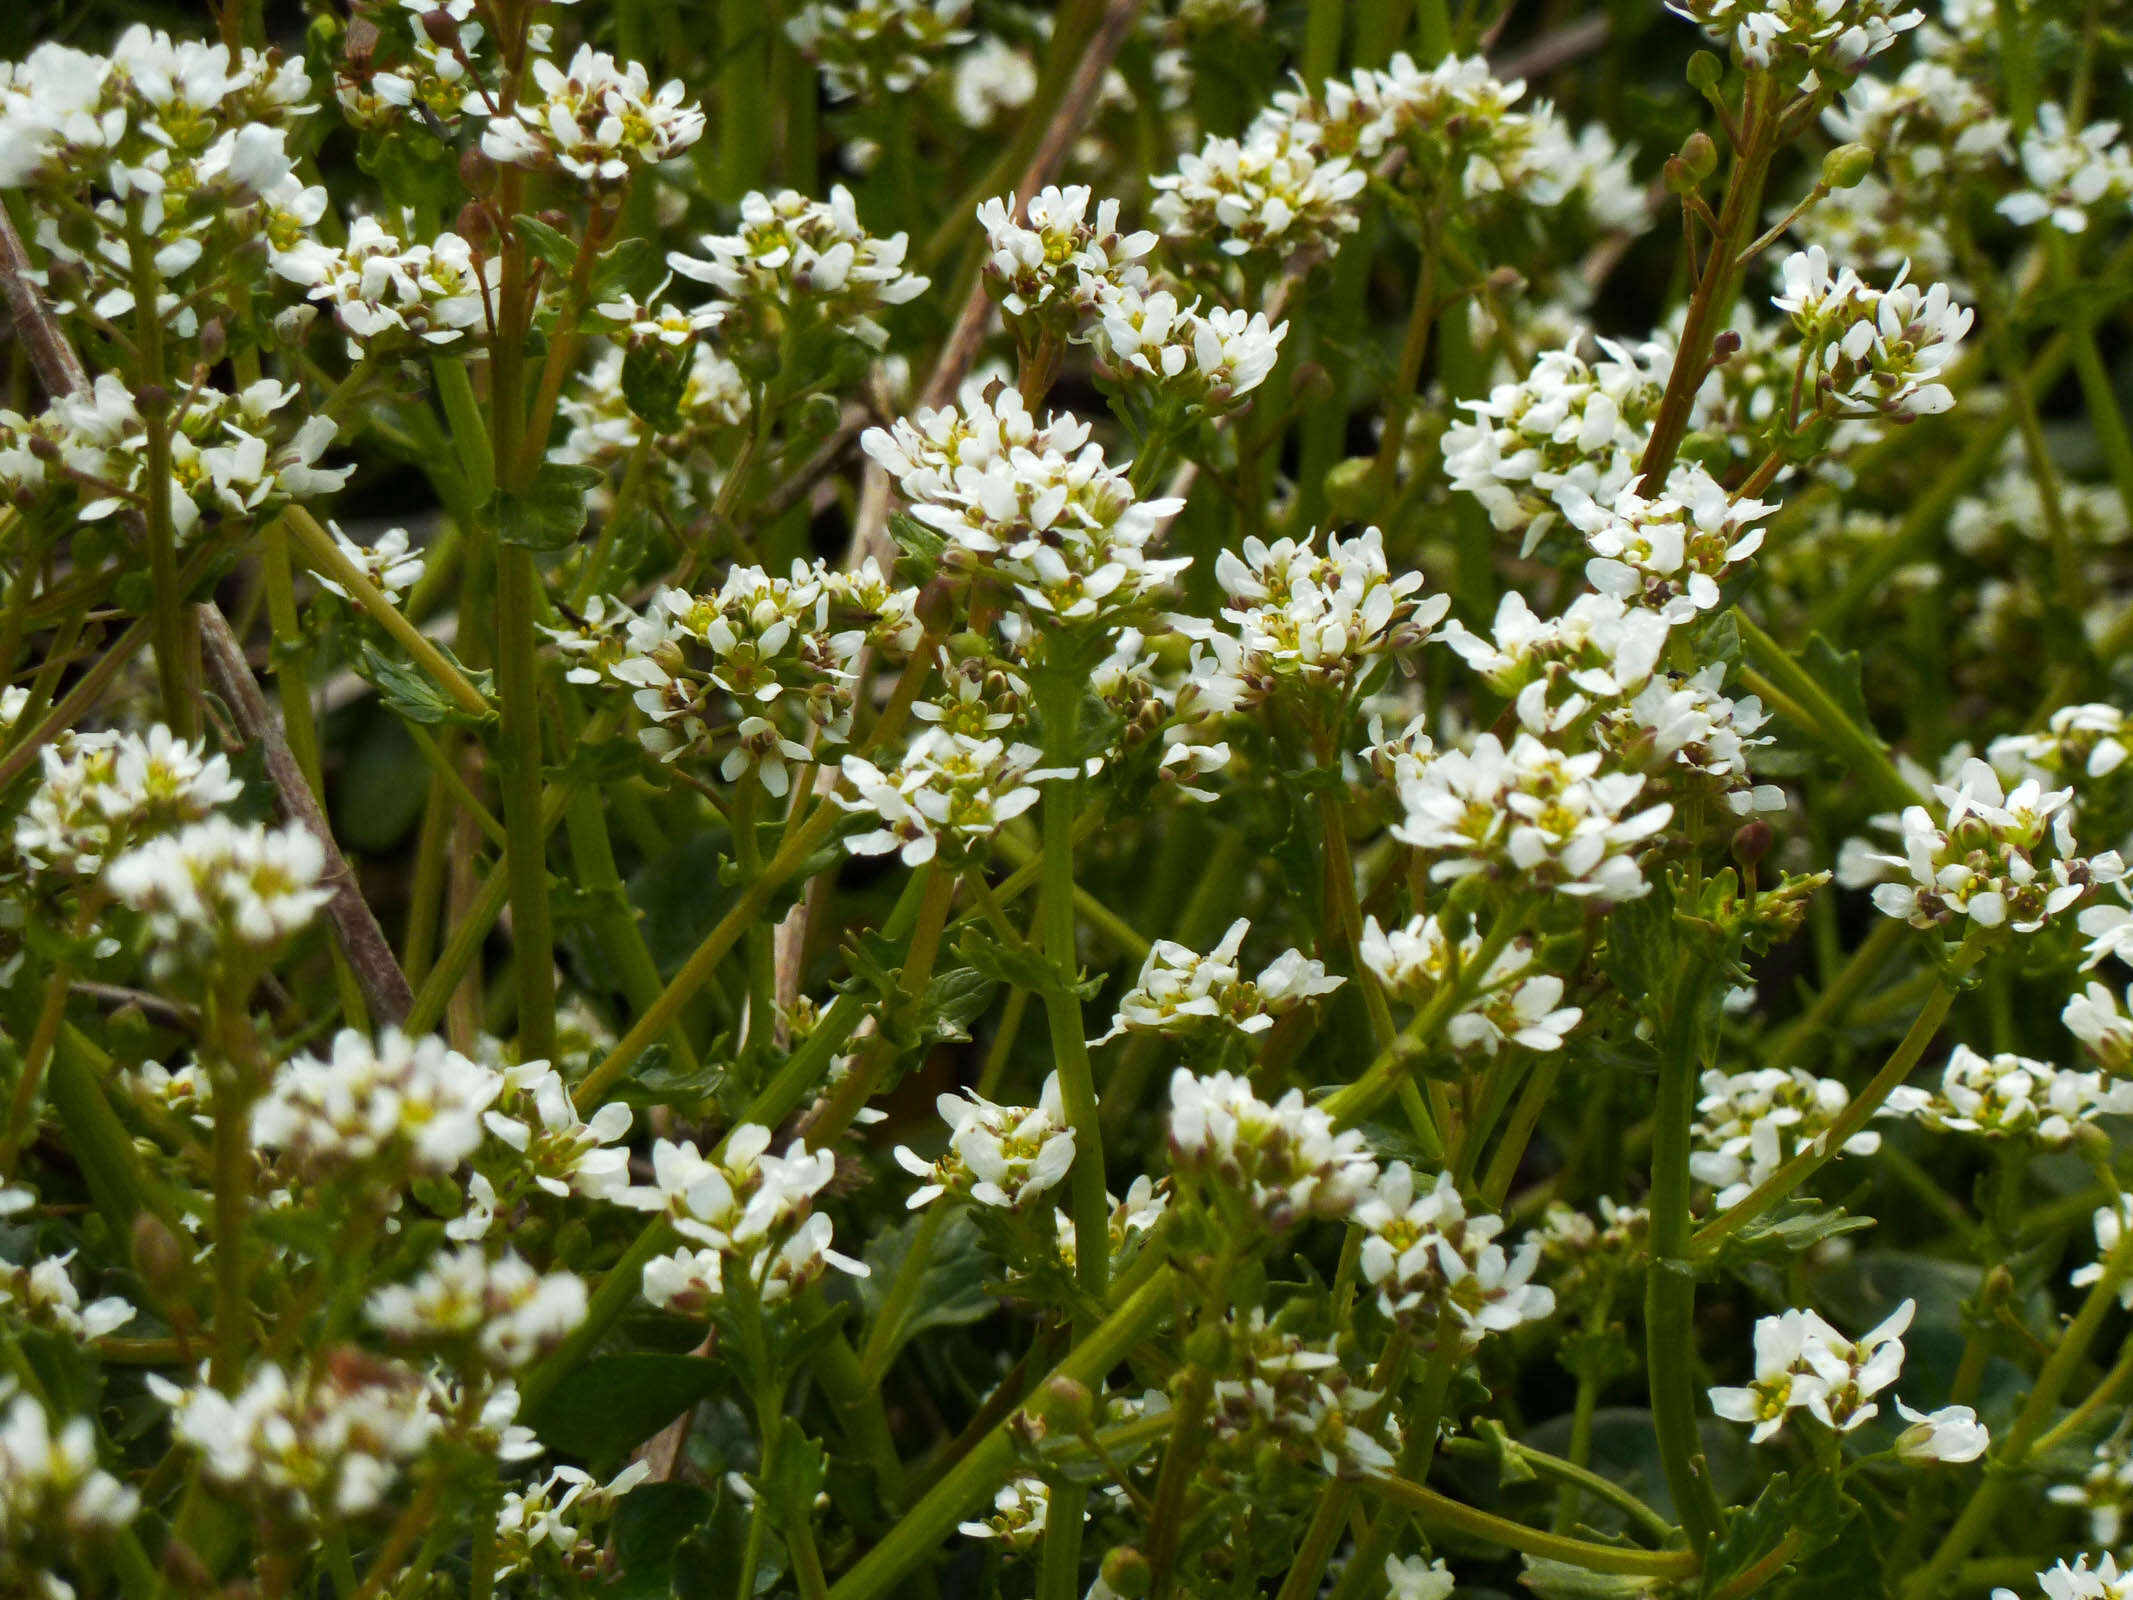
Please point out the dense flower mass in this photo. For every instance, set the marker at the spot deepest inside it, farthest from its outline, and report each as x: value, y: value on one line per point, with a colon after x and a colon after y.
x: 883, y: 797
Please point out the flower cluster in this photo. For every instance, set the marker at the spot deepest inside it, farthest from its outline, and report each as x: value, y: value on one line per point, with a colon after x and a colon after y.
x: 1180, y: 991
x: 744, y: 1207
x: 1285, y: 1161
x: 2008, y: 1095
x: 1750, y: 1123
x: 1804, y: 1364
x: 1434, y: 1265
x: 1001, y: 1156
x: 1995, y: 856
x: 596, y: 119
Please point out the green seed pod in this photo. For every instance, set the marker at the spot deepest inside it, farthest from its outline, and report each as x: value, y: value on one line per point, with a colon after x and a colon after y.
x: 1125, y: 1569
x: 1705, y: 71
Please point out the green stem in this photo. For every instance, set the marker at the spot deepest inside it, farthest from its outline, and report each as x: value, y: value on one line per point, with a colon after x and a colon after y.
x: 1059, y: 708
x: 324, y: 555
x: 903, y: 1290
x: 1670, y: 1286
x: 1439, y: 1511
x: 181, y: 709
x: 519, y: 775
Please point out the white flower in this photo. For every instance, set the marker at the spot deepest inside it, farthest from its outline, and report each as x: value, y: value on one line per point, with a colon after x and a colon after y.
x: 1508, y: 1004
x: 2110, y: 1222
x: 1417, y: 1579
x: 1019, y: 1511
x: 1803, y: 1362
x: 2079, y: 1582
x: 1431, y: 1262
x: 2007, y: 1094
x: 43, y: 1295
x: 1667, y: 553
x: 219, y: 884
x: 50, y: 1482
x: 2070, y: 174
x: 390, y: 563
x: 1286, y: 1160
x: 503, y: 1309
x: 1555, y: 820
x: 1951, y: 1434
x: 372, y: 1111
x: 807, y: 258
x: 1050, y: 258
x: 563, y: 1152
x: 2003, y: 857
x: 950, y: 791
x: 1002, y: 1156
x: 1807, y: 36
x: 100, y: 790
x: 1750, y: 1123
x: 1270, y: 191
x: 748, y: 1207
x: 1179, y: 990
x: 1871, y: 352
x: 597, y: 119
x: 878, y: 46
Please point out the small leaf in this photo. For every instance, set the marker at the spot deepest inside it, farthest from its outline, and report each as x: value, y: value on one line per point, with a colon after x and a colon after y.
x: 612, y: 1404
x: 795, y: 1476
x: 1022, y: 967
x: 403, y: 686
x: 951, y: 1286
x: 623, y: 268
x: 1838, y: 674
x: 650, y: 1524
x: 556, y: 248
x: 549, y: 515
x: 953, y: 1001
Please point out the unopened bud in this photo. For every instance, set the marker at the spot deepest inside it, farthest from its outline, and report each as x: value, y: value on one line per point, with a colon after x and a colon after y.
x: 158, y: 1258
x: 935, y: 607
x: 1705, y: 71
x: 151, y: 399
x: 361, y: 41
x: 214, y: 340
x: 1699, y: 155
x: 1725, y: 347
x: 476, y: 226
x: 1678, y: 178
x: 42, y: 448
x: 1751, y: 842
x: 477, y: 173
x: 1065, y: 1405
x: 1126, y: 1570
x: 1845, y: 166
x: 819, y: 415
x: 441, y: 26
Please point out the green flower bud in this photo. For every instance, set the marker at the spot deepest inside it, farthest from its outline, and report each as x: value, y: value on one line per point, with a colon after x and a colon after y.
x: 1845, y: 166
x: 1705, y: 71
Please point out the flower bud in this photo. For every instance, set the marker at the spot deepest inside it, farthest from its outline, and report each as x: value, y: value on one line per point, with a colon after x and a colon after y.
x: 1845, y: 166
x: 1125, y: 1569
x: 935, y: 606
x: 360, y: 43
x: 441, y: 26
x: 1751, y: 842
x: 1705, y: 71
x: 476, y: 226
x: 214, y: 341
x: 151, y: 400
x: 1064, y: 1405
x: 1699, y: 155
x: 477, y: 173
x: 1725, y: 347
x: 159, y: 1259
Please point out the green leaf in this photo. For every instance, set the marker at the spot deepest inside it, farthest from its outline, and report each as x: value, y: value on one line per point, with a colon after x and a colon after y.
x: 953, y: 1001
x: 1837, y: 672
x: 612, y: 1404
x: 403, y: 686
x: 951, y: 1286
x: 556, y: 248
x: 655, y: 1079
x: 1022, y: 967
x: 549, y: 515
x: 381, y: 788
x: 1719, y: 639
x: 650, y: 1524
x: 1812, y: 1513
x: 795, y: 1476
x: 1792, y: 1228
x: 624, y: 267
x: 1639, y: 954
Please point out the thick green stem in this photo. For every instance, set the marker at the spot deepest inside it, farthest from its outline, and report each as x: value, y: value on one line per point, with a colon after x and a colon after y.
x: 1060, y: 707
x: 1439, y: 1511
x: 1670, y: 1286
x: 518, y: 688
